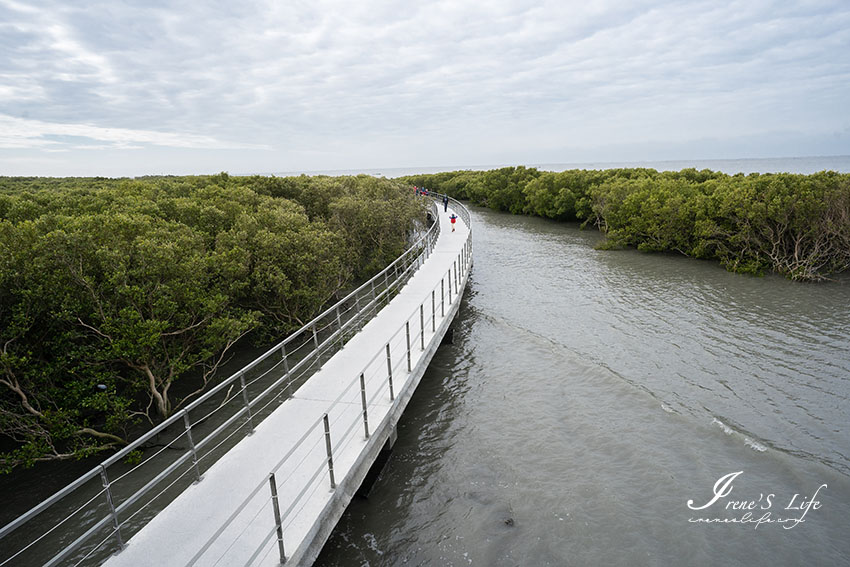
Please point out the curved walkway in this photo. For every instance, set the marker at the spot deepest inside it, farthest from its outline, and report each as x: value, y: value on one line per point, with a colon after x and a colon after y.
x: 229, y: 517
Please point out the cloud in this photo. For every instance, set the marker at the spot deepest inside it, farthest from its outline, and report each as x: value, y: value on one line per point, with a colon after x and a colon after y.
x: 331, y: 81
x: 23, y: 133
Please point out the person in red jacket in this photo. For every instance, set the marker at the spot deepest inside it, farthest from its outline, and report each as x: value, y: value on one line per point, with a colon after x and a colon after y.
x: 453, y: 218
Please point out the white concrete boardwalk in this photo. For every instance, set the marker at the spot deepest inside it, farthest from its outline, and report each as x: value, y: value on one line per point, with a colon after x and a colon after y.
x: 228, y: 518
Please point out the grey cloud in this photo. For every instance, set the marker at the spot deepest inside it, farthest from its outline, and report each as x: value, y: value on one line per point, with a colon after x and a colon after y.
x: 466, y: 79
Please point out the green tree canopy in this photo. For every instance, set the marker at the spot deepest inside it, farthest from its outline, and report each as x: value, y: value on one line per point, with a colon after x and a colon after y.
x: 111, y: 290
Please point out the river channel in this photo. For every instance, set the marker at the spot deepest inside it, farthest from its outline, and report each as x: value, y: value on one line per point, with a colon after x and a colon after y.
x: 589, y: 396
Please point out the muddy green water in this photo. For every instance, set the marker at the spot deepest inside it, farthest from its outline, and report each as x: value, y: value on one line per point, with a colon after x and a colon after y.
x: 589, y: 396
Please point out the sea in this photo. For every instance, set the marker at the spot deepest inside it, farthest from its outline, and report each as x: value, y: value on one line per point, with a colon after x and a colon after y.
x: 803, y: 165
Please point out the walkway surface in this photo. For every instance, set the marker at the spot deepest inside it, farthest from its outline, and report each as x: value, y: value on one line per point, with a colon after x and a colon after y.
x: 228, y: 518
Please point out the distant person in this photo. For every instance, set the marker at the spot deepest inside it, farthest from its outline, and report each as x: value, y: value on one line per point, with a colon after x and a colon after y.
x: 445, y: 203
x: 453, y: 218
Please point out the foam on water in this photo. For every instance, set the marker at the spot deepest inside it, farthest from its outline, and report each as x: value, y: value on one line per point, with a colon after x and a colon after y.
x: 372, y: 543
x: 748, y: 441
x: 755, y: 445
x: 725, y: 428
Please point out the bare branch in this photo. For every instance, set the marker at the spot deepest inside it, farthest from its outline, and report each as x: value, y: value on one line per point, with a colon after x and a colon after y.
x: 13, y: 385
x: 101, y: 435
x: 189, y: 328
x: 98, y: 331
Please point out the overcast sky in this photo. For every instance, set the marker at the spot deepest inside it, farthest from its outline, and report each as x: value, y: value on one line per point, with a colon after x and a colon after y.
x: 149, y: 87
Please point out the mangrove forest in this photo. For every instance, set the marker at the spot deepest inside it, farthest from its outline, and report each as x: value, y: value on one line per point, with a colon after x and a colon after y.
x: 111, y: 290
x: 795, y: 225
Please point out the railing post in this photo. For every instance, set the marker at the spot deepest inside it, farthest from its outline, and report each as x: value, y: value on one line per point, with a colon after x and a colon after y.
x: 442, y: 297
x: 285, y: 370
x: 433, y: 311
x: 422, y: 326
x: 407, y: 335
x: 188, y: 425
x: 456, y: 289
x: 285, y: 359
x: 450, y: 286
x: 330, y: 451
x: 245, y: 399
x: 373, y: 289
x: 390, y: 372
x: 108, y: 491
x: 338, y: 319
x: 277, y: 522
x: 315, y: 337
x: 363, y: 403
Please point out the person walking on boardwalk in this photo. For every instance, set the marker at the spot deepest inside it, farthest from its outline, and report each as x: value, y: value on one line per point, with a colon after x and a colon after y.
x: 445, y: 203
x: 453, y: 218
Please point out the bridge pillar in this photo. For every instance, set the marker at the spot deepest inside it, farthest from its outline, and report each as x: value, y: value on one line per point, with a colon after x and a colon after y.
x: 378, y: 465
x: 391, y: 439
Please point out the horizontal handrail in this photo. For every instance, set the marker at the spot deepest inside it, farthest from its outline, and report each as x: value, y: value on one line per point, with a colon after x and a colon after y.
x: 343, y: 440
x: 400, y: 270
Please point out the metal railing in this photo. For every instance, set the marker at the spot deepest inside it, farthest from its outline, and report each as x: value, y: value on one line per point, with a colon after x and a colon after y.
x: 366, y: 388
x: 119, y: 497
